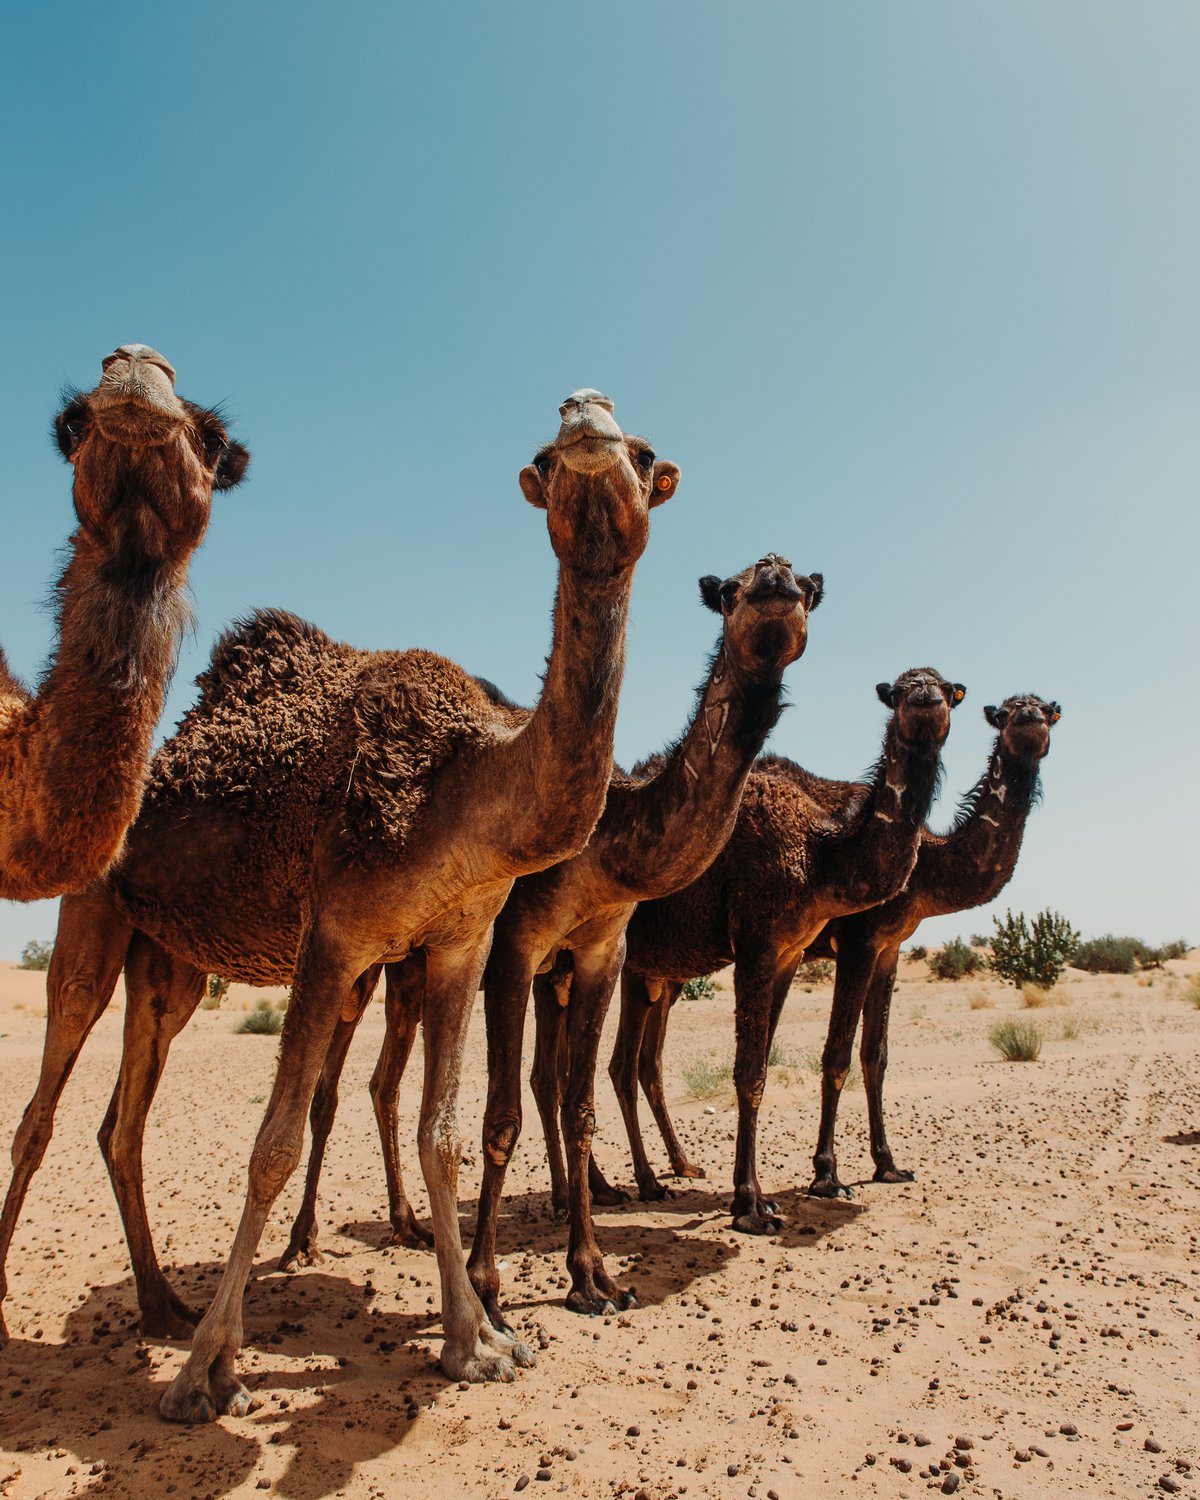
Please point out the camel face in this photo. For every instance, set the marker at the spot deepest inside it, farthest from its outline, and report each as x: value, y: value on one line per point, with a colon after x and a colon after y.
x: 146, y: 462
x: 922, y: 700
x: 764, y: 610
x: 597, y: 486
x: 1024, y: 722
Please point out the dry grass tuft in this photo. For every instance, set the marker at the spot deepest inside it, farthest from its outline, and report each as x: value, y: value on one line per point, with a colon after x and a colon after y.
x: 707, y: 1076
x: 979, y: 999
x: 1035, y: 997
x: 1016, y: 1041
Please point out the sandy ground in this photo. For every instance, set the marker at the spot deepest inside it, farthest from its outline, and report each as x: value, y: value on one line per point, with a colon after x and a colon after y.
x: 1031, y: 1303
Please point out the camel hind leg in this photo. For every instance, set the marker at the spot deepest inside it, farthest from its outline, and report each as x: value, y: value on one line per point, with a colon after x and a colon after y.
x: 551, y: 993
x: 302, y: 1245
x: 874, y: 1065
x: 650, y: 1075
x: 402, y: 1007
x: 162, y: 995
x: 88, y: 954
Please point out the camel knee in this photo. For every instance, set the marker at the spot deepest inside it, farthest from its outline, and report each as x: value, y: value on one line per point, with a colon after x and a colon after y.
x: 579, y: 1125
x: 273, y: 1161
x: 500, y: 1138
x: 440, y: 1144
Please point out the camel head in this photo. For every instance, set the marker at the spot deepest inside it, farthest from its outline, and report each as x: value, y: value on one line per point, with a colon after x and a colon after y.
x: 764, y: 613
x: 921, y: 700
x: 597, y: 486
x: 1023, y: 722
x: 146, y: 462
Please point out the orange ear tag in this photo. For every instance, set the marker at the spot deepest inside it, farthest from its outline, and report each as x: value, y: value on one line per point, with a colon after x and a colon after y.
x: 664, y: 482
x: 1056, y: 718
x: 958, y: 696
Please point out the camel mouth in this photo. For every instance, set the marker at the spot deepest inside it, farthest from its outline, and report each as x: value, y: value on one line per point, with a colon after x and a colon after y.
x: 135, y: 400
x: 774, y: 594
x: 586, y: 452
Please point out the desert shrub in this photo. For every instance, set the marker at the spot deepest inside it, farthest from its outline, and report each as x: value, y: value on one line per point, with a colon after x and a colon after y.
x: 1033, y: 953
x: 980, y: 940
x: 815, y: 971
x: 916, y: 953
x: 1177, y: 949
x: 1069, y: 1029
x: 1016, y: 1041
x: 263, y: 1020
x: 1035, y: 996
x: 706, y: 1076
x: 1111, y: 955
x: 214, y: 992
x: 955, y: 961
x: 703, y: 987
x: 979, y: 999
x: 36, y: 955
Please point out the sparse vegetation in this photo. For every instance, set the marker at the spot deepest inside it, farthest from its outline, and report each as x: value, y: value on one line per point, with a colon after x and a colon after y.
x: 916, y: 953
x: 263, y: 1020
x: 704, y: 987
x: 1123, y: 955
x: 1069, y: 1029
x: 214, y: 992
x: 1192, y: 993
x: 707, y: 1076
x: 36, y: 955
x: 1033, y: 953
x: 815, y: 971
x: 979, y: 999
x: 1035, y: 996
x: 956, y: 960
x: 814, y: 1061
x: 1016, y: 1041
x: 980, y: 940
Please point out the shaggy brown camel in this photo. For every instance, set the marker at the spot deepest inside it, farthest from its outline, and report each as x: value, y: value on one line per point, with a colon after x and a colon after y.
x: 954, y: 871
x: 565, y: 925
x: 74, y: 756
x: 322, y: 810
x: 803, y: 850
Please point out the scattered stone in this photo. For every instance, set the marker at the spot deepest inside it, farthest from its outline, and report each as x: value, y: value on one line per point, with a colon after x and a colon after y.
x: 521, y: 1483
x: 1152, y: 1445
x: 950, y: 1483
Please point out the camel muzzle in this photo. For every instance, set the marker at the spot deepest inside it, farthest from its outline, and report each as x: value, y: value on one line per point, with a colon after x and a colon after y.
x: 136, y: 398
x: 589, y: 439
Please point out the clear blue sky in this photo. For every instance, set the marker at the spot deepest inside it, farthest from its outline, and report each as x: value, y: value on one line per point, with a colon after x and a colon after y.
x: 910, y: 292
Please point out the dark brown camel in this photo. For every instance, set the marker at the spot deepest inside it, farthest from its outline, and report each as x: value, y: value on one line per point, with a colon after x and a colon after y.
x: 74, y: 756
x: 954, y: 872
x: 320, y: 811
x: 565, y: 925
x: 803, y: 850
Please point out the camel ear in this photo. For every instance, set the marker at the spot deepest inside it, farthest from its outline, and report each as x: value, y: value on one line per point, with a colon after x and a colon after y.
x: 231, y: 466
x: 996, y: 717
x: 814, y: 586
x: 533, y: 487
x: 1055, y: 712
x: 887, y: 694
x: 957, y: 694
x: 664, y: 482
x: 710, y: 592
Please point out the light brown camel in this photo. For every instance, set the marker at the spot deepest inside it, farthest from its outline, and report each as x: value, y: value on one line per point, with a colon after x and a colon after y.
x: 954, y: 871
x: 803, y: 851
x: 565, y: 925
x: 74, y: 755
x: 322, y: 810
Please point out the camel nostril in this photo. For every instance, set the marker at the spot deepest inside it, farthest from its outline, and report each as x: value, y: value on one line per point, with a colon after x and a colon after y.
x: 140, y: 354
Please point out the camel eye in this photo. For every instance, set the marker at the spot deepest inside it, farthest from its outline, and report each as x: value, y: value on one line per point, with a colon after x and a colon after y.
x: 645, y: 459
x: 542, y: 464
x: 214, y: 442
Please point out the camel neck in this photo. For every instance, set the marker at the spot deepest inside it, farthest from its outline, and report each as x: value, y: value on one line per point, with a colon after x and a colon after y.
x: 84, y: 740
x: 662, y: 833
x: 974, y: 861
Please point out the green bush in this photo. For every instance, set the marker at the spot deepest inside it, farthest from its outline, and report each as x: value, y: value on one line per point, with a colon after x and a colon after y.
x: 1033, y: 953
x: 1177, y: 949
x: 916, y: 953
x: 263, y: 1020
x: 708, y: 1076
x: 1112, y: 955
x: 815, y: 971
x: 955, y: 961
x: 702, y: 988
x: 1016, y: 1041
x: 36, y: 955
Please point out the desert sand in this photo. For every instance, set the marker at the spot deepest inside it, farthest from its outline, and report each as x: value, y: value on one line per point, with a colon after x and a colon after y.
x: 1024, y: 1317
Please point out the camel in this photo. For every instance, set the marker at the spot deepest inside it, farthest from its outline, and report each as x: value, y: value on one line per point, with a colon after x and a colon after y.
x: 562, y: 929
x: 322, y: 810
x: 955, y: 871
x: 803, y: 851
x: 74, y: 755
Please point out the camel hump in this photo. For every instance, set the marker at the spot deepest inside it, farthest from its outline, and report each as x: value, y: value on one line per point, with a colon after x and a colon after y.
x: 260, y: 651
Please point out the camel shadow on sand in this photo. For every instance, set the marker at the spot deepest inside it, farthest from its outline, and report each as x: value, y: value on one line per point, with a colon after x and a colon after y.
x: 1183, y: 1138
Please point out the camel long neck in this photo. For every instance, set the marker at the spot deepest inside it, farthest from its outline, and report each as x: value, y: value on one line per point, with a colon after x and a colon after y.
x: 563, y: 756
x: 73, y: 759
x: 872, y: 865
x: 662, y: 833
x: 975, y: 860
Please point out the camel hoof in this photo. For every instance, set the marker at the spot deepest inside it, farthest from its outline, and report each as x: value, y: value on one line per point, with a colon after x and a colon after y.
x: 591, y: 1302
x: 688, y: 1169
x: 411, y: 1235
x: 192, y: 1406
x: 609, y: 1196
x: 653, y: 1191
x: 523, y: 1356
x: 479, y: 1367
x: 184, y: 1400
x: 295, y: 1257
x: 559, y: 1212
x: 828, y: 1187
x: 894, y: 1174
x: 758, y: 1221
x: 168, y: 1322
